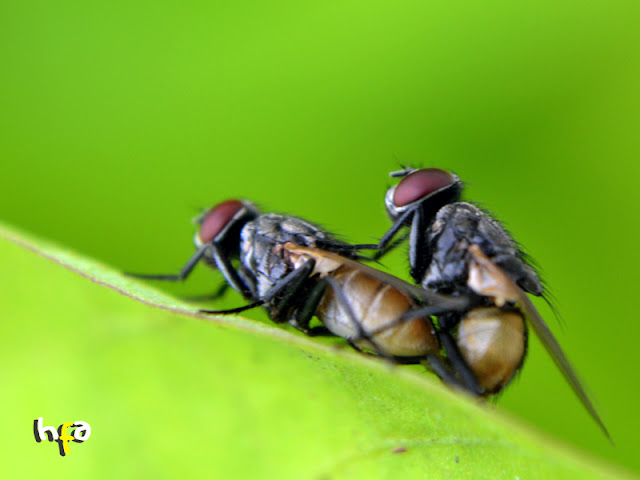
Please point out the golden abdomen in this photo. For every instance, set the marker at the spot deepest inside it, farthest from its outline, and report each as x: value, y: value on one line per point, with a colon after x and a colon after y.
x: 493, y: 342
x: 376, y: 306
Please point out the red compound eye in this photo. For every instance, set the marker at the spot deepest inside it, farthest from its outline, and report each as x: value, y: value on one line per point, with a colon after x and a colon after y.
x: 217, y: 218
x: 420, y: 184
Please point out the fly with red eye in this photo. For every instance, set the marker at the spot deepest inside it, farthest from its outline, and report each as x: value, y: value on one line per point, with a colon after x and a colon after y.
x: 459, y: 250
x: 296, y: 270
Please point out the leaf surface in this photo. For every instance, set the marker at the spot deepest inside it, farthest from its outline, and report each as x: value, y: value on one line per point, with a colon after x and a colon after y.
x: 169, y: 392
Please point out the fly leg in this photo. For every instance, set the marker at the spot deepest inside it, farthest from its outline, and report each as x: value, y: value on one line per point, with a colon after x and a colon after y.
x: 282, y: 297
x: 223, y: 262
x: 182, y: 275
x: 449, y: 375
x: 419, y: 254
x: 184, y: 271
x: 307, y: 310
x: 457, y: 373
x: 444, y: 372
x: 387, y: 238
x: 239, y: 283
x: 459, y: 366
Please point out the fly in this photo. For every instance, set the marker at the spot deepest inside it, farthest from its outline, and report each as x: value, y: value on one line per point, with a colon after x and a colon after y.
x: 459, y: 250
x: 296, y: 270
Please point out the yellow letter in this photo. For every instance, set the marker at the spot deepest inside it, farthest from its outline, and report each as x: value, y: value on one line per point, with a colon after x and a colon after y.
x: 64, y: 438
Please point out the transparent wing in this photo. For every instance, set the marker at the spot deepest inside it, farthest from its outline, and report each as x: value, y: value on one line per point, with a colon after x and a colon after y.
x: 488, y: 279
x: 334, y: 261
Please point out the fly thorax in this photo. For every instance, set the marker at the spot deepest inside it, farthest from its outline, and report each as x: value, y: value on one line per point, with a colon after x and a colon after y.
x: 262, y: 257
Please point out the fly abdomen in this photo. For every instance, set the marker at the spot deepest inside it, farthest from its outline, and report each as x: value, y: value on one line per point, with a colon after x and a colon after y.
x: 493, y: 342
x: 377, y: 308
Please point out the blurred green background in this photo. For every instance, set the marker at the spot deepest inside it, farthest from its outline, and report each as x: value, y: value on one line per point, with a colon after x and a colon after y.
x: 120, y: 120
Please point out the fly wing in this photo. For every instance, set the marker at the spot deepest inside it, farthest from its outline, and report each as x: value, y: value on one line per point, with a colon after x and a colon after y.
x: 456, y: 304
x: 486, y: 278
x: 330, y: 258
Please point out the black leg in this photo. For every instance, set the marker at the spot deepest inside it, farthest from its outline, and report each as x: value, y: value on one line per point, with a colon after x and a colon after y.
x: 223, y: 262
x: 249, y: 280
x: 443, y: 372
x: 391, y: 246
x: 184, y: 271
x: 318, y: 332
x: 307, y: 310
x: 418, y: 246
x: 459, y: 374
x: 388, y: 237
x: 233, y: 310
x: 281, y: 297
x: 459, y: 366
x: 410, y: 315
x: 355, y: 347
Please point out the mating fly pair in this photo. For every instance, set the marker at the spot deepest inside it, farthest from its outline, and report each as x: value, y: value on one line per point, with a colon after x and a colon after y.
x: 472, y: 278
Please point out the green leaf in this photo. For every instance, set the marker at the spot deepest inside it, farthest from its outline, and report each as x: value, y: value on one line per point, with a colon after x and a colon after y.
x: 169, y: 392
